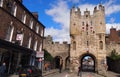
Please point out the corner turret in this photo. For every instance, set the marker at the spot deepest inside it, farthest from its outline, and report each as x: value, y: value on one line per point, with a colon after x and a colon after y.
x: 99, y: 8
x: 87, y: 13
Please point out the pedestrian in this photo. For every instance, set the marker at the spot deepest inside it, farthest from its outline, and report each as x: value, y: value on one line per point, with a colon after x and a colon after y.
x: 61, y: 65
x: 80, y: 71
x: 2, y: 70
x: 49, y: 66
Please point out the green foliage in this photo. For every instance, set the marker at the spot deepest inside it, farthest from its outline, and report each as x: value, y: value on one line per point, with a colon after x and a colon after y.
x: 114, y: 55
x: 47, y: 56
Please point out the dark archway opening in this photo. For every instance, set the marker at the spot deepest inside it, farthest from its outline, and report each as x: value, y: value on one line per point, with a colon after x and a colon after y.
x: 88, y: 63
x: 57, y: 61
x: 67, y: 63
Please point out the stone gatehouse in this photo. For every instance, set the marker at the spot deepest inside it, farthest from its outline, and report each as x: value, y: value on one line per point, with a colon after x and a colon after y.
x: 88, y: 40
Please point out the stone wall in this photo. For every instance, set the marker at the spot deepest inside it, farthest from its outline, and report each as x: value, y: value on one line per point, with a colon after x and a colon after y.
x: 113, y: 65
x: 112, y: 46
x: 56, y: 48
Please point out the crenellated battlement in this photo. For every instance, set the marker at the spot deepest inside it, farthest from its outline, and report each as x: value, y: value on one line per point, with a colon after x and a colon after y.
x: 50, y: 40
x: 99, y: 8
x: 76, y: 10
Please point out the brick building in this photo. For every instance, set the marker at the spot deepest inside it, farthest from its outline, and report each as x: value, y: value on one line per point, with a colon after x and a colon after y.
x: 114, y: 36
x: 113, y: 41
x: 21, y: 35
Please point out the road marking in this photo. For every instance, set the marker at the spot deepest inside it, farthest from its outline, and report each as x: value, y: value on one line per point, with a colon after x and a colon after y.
x: 66, y: 75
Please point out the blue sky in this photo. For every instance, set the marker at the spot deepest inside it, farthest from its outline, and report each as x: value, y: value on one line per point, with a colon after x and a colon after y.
x: 54, y: 14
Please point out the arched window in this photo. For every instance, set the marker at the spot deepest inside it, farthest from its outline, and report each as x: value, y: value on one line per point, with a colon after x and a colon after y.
x: 35, y: 45
x: 1, y: 3
x: 74, y: 45
x: 29, y: 42
x: 9, y: 33
x: 101, y: 45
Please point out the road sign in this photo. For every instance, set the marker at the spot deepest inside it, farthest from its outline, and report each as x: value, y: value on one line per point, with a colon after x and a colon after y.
x: 40, y: 54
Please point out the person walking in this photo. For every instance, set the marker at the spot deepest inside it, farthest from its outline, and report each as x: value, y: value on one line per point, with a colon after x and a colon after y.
x: 80, y: 71
x: 2, y: 70
x: 61, y: 65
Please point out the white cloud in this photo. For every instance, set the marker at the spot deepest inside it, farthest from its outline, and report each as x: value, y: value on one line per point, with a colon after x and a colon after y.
x: 60, y: 14
x: 112, y: 20
x: 74, y: 1
x: 111, y: 7
x: 58, y: 35
x: 83, y: 8
x: 114, y: 25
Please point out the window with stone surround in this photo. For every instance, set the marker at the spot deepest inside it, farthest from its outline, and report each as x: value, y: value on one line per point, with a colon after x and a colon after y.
x: 40, y: 47
x: 82, y: 23
x: 23, y: 17
x: 91, y: 23
x: 74, y: 45
x: 13, y: 9
x: 29, y: 42
x: 101, y: 45
x: 87, y: 43
x: 9, y: 33
x: 35, y: 45
x: 31, y: 23
x: 100, y: 36
x: 1, y: 3
x: 42, y: 32
x: 37, y: 28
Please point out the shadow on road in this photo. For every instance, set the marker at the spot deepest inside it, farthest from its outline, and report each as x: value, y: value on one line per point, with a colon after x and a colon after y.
x: 117, y: 75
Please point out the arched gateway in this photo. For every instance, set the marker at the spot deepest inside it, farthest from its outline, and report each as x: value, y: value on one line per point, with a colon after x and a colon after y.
x: 87, y: 34
x: 88, y: 62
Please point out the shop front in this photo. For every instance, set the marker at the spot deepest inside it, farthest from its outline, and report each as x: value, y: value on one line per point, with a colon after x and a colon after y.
x: 15, y: 56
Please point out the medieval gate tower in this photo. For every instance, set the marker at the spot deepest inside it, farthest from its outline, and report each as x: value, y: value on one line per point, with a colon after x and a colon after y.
x: 87, y: 33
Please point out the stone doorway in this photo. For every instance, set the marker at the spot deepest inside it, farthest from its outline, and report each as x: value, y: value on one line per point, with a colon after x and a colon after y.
x: 88, y: 62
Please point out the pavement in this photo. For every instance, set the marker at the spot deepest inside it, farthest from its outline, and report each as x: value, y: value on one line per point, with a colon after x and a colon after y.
x: 109, y: 74
x: 44, y: 73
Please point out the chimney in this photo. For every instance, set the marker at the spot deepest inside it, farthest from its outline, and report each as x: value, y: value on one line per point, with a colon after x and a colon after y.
x: 113, y: 35
x: 35, y: 14
x: 20, y: 1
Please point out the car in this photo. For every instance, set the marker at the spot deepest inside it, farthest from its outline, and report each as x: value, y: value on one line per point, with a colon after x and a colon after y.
x: 29, y: 71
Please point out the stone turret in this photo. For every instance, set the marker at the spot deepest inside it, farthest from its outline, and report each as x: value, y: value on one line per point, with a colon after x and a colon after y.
x: 87, y: 13
x: 99, y: 8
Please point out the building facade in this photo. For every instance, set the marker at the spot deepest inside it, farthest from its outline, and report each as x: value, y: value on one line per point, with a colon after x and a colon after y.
x: 21, y: 35
x: 87, y: 33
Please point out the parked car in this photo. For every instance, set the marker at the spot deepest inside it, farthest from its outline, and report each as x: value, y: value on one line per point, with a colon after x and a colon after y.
x: 29, y: 71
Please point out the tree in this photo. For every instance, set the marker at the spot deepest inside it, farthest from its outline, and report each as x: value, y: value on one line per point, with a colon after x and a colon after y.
x: 47, y: 56
x: 114, y: 55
